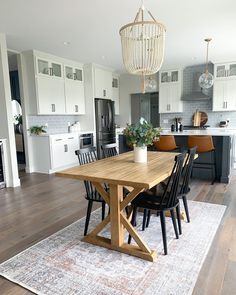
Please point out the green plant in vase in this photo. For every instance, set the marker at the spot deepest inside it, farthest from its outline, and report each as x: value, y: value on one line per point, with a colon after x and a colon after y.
x: 141, y: 135
x: 37, y: 130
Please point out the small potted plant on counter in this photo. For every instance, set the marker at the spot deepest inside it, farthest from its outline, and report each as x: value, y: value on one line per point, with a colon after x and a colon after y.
x: 37, y: 130
x: 141, y: 135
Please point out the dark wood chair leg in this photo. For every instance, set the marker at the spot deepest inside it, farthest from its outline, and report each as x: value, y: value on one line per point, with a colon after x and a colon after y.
x: 144, y: 219
x: 89, y: 209
x: 172, y: 212
x: 179, y: 219
x: 103, y: 210
x: 148, y: 218
x: 133, y: 221
x: 163, y: 229
x: 186, y: 208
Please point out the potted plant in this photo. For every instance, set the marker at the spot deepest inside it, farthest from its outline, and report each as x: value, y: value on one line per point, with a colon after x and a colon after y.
x: 18, y: 123
x: 37, y: 130
x: 141, y: 135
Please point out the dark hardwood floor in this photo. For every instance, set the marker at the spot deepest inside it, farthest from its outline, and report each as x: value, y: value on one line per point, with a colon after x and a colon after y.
x: 44, y: 204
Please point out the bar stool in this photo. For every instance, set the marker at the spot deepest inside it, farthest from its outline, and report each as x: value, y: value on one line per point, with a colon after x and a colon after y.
x: 204, y: 144
x: 166, y: 143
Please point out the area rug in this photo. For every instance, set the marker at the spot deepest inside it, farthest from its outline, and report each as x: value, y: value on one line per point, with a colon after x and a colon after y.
x: 63, y: 265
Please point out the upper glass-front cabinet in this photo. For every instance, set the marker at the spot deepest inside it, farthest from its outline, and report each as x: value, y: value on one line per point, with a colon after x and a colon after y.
x: 169, y: 76
x: 73, y: 73
x: 115, y: 83
x: 225, y: 70
x: 49, y: 68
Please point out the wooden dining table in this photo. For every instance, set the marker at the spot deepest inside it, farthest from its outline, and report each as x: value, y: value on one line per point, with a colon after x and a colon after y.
x: 118, y: 172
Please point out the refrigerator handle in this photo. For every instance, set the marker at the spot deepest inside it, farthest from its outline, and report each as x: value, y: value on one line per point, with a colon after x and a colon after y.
x: 110, y: 116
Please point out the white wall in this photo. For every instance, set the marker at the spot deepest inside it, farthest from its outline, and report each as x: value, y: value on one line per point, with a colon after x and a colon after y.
x: 6, y: 117
x: 129, y: 84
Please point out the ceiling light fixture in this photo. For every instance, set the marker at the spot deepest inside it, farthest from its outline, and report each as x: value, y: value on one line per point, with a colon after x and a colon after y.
x: 66, y: 43
x: 143, y: 44
x: 206, y: 79
x: 151, y: 84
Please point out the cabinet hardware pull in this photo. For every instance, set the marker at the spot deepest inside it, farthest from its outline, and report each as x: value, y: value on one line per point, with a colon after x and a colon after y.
x: 65, y: 148
x: 58, y: 139
x: 104, y: 92
x: 53, y: 107
x: 70, y: 137
x: 76, y: 108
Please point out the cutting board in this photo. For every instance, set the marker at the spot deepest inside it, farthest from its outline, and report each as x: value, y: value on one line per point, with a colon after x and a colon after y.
x: 200, y: 118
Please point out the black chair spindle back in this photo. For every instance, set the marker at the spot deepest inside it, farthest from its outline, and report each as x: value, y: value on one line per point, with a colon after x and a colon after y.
x: 170, y: 194
x: 109, y: 150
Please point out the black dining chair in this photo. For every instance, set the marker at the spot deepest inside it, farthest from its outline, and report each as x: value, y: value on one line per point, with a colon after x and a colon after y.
x: 168, y: 201
x: 184, y: 186
x: 186, y: 175
x: 85, y: 156
x: 109, y: 150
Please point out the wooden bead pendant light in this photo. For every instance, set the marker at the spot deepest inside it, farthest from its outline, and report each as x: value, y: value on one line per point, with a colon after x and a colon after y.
x: 143, y: 43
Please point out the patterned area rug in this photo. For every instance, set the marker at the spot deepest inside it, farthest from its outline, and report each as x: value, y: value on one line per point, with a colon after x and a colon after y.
x: 63, y: 265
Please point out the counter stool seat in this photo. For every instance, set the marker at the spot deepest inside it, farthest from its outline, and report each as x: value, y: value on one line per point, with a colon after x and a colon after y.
x: 204, y: 144
x: 166, y: 143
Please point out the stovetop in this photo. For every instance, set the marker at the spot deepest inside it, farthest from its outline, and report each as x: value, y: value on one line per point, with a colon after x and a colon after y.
x: 190, y: 127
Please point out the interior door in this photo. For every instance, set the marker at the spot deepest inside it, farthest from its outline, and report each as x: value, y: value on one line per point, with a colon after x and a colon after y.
x: 145, y: 106
x: 135, y: 108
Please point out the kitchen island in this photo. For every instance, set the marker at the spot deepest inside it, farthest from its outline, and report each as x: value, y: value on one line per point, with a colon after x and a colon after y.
x: 224, y: 147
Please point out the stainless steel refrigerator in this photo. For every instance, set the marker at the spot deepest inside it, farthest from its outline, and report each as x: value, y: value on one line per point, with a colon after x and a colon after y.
x: 105, y: 123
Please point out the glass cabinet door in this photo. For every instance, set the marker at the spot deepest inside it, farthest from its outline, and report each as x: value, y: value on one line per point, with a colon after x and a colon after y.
x: 56, y: 69
x: 164, y: 77
x: 232, y: 70
x: 78, y: 75
x: 174, y: 76
x: 43, y: 67
x: 115, y: 83
x: 221, y: 71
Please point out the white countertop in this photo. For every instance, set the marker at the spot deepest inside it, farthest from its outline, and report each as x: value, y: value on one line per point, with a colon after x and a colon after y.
x: 208, y: 131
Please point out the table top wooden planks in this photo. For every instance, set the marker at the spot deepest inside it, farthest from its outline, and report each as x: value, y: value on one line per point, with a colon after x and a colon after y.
x: 121, y: 170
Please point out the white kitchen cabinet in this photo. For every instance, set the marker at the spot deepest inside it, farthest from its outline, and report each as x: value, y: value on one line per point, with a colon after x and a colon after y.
x: 52, y: 153
x: 75, y: 100
x: 225, y: 70
x: 170, y: 92
x: 50, y: 96
x: 115, y: 93
x: 224, y: 95
x: 102, y: 83
x: 54, y: 85
x: 74, y: 90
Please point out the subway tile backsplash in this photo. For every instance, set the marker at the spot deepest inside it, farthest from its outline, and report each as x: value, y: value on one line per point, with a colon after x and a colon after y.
x: 189, y: 108
x: 56, y: 123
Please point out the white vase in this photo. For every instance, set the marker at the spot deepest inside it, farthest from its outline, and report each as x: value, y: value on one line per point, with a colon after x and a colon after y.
x: 140, y: 154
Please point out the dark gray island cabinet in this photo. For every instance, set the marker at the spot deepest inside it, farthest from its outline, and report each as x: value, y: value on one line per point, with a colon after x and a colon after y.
x: 224, y: 150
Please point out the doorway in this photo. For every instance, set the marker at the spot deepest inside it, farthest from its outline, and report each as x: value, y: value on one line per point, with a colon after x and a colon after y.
x: 16, y: 110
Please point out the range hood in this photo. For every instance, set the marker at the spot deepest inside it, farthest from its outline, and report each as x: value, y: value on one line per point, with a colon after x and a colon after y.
x: 191, y: 89
x: 196, y: 95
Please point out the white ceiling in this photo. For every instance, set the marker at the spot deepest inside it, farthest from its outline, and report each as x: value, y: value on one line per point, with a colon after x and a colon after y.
x: 92, y: 28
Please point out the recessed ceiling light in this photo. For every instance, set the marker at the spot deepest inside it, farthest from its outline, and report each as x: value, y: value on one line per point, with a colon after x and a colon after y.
x: 66, y: 43
x: 103, y: 56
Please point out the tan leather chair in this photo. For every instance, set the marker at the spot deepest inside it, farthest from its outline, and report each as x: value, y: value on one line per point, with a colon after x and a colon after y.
x: 166, y: 143
x: 204, y: 144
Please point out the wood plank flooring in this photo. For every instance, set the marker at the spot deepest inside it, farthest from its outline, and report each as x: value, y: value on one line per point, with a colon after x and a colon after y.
x: 44, y: 204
